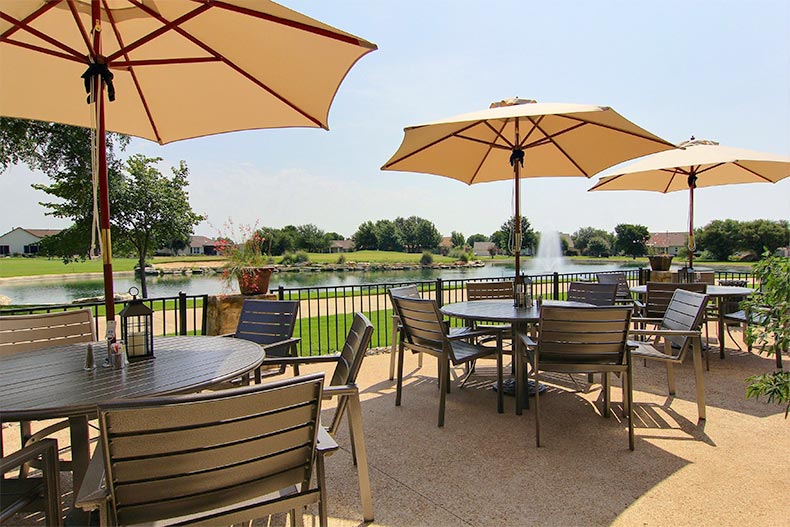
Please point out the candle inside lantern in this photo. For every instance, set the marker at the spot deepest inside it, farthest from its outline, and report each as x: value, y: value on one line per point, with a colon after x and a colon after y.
x: 136, y: 344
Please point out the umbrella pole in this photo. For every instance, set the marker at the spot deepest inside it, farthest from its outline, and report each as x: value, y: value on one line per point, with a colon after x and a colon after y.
x: 692, y: 181
x: 104, y: 195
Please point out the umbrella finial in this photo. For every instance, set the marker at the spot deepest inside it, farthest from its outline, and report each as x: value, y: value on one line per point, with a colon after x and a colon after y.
x: 694, y: 142
x: 511, y: 102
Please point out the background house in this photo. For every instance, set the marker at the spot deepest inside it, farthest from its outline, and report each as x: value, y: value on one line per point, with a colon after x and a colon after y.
x: 23, y: 241
x: 668, y: 242
x: 341, y: 246
x: 482, y: 248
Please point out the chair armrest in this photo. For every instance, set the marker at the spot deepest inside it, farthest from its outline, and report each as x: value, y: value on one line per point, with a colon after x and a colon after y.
x: 44, y: 448
x: 281, y: 343
x: 646, y: 320
x: 340, y: 389
x: 666, y: 332
x: 93, y: 493
x: 290, y: 361
x: 527, y: 340
x: 325, y: 444
x: 465, y: 333
x: 227, y: 335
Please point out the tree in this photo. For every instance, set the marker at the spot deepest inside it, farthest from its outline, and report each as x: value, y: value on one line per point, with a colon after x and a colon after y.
x: 631, y: 240
x: 457, y: 239
x: 598, y: 246
x: 504, y: 236
x: 152, y: 209
x: 582, y: 237
x: 365, y: 237
x: 761, y: 235
x: 387, y: 236
x: 311, y: 239
x: 63, y: 153
x: 721, y: 238
x: 416, y: 234
x: 476, y: 238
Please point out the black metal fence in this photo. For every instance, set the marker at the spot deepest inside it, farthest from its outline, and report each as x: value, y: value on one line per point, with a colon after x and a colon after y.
x: 326, y: 312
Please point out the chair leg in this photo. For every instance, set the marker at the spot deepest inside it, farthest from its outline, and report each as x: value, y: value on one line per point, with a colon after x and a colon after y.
x: 626, y: 394
x: 607, y: 395
x: 399, y: 384
x: 321, y: 477
x: 629, y: 395
x: 696, y: 351
x: 500, y: 399
x: 394, y: 349
x: 444, y: 377
x: 537, y: 408
x: 360, y: 455
x: 671, y: 378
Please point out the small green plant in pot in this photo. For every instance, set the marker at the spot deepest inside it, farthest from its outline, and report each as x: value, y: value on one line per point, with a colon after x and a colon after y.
x: 246, y: 261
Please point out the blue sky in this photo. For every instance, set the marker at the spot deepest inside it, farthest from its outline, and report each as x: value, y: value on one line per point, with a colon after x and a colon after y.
x: 717, y: 70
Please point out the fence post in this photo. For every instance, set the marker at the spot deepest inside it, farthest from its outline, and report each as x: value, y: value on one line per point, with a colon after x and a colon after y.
x: 439, y: 292
x: 182, y: 313
x: 556, y: 292
x: 642, y: 276
x: 281, y: 293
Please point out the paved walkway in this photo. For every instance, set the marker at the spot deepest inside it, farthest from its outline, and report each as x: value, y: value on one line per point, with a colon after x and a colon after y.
x: 483, y: 469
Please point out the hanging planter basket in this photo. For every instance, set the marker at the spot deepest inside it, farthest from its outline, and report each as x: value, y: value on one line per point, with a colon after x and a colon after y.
x: 254, y: 280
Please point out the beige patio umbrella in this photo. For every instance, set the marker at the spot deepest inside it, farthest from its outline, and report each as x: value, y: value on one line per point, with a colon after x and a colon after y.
x: 172, y: 70
x: 535, y: 139
x: 695, y: 163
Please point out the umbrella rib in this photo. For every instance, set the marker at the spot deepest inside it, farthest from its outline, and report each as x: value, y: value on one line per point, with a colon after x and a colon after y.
x: 739, y: 165
x: 432, y: 143
x: 135, y: 80
x: 167, y: 25
x: 296, y: 25
x: 176, y: 27
x: 24, y: 25
x: 491, y: 145
x: 78, y: 21
x: 45, y: 51
x: 550, y: 138
x: 616, y: 129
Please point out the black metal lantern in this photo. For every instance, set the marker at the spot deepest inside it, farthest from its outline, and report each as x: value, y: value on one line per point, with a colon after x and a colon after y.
x: 137, y: 328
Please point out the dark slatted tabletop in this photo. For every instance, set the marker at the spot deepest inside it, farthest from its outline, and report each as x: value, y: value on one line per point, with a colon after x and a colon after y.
x: 51, y: 383
x: 500, y: 310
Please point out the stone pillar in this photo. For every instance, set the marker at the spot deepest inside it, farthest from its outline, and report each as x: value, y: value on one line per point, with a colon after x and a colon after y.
x: 224, y: 310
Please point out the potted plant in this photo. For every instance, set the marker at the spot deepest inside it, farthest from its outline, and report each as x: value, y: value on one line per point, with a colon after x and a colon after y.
x: 660, y: 261
x: 246, y: 262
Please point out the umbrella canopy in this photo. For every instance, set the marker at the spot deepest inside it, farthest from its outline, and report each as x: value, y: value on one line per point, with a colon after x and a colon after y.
x: 535, y: 139
x: 695, y: 163
x: 172, y: 69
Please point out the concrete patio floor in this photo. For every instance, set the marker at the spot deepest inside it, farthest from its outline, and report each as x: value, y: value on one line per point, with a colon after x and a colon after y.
x: 483, y: 469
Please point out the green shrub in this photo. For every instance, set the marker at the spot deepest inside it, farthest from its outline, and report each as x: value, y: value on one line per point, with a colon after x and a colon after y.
x: 427, y: 258
x: 341, y: 259
x: 288, y: 259
x: 302, y: 257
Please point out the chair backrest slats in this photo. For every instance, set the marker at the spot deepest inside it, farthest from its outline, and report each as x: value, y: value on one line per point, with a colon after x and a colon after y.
x: 20, y: 333
x: 179, y: 455
x: 353, y: 351
x: 623, y: 289
x: 660, y: 293
x: 422, y: 324
x: 589, y: 335
x: 267, y: 321
x: 597, y: 294
x: 685, y: 311
x: 489, y: 290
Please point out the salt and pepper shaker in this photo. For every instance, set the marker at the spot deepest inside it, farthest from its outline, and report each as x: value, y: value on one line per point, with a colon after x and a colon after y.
x: 90, y: 363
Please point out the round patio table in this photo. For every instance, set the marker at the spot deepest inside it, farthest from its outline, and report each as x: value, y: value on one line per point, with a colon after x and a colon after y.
x: 52, y: 384
x: 504, y: 311
x: 714, y: 292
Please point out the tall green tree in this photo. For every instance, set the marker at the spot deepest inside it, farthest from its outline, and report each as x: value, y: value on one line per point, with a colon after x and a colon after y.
x: 476, y: 238
x: 503, y: 238
x: 311, y: 239
x: 457, y: 239
x: 387, y: 236
x: 152, y: 209
x: 581, y: 238
x: 761, y: 235
x: 63, y: 153
x: 417, y: 234
x: 631, y: 240
x: 365, y: 238
x: 720, y: 237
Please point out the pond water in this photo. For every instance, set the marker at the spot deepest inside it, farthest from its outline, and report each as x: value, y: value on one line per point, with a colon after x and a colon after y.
x: 64, y: 290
